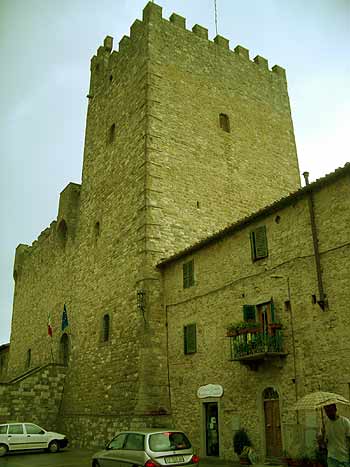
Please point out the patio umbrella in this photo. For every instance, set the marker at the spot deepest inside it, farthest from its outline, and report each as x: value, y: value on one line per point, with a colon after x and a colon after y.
x: 318, y: 399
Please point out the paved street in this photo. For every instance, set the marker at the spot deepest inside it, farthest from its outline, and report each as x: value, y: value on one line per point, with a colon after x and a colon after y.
x: 78, y: 458
x: 65, y: 458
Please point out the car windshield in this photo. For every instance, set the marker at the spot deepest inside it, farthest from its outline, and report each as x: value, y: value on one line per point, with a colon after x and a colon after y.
x: 168, y: 441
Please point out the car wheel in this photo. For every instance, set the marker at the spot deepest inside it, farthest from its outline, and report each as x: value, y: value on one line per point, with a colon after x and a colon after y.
x: 53, y: 446
x: 3, y: 449
x: 96, y: 464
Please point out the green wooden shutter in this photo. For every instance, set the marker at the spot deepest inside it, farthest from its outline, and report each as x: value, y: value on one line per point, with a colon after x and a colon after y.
x: 188, y: 274
x: 249, y: 312
x: 260, y: 242
x: 191, y: 273
x: 252, y: 244
x: 272, y: 309
x: 185, y: 275
x: 190, y: 339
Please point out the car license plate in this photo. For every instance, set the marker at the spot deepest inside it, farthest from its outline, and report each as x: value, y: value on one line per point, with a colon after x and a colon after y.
x: 174, y: 459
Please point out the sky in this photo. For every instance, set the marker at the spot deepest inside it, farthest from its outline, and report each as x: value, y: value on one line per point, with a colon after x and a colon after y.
x: 45, y: 50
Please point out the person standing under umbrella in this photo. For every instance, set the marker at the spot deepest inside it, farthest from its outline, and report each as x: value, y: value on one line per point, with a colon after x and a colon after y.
x: 336, y: 435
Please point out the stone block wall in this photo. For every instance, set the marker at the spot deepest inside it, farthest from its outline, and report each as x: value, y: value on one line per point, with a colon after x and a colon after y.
x: 34, y: 397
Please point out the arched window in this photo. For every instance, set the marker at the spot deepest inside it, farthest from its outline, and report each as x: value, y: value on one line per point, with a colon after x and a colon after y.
x: 105, y: 328
x: 270, y: 394
x: 64, y: 349
x: 62, y: 232
x: 224, y: 122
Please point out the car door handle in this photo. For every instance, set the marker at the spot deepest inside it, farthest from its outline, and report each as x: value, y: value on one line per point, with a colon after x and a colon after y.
x: 28, y: 436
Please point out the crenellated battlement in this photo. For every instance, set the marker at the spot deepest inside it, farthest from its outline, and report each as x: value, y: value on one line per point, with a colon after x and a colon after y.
x: 68, y: 213
x: 105, y: 58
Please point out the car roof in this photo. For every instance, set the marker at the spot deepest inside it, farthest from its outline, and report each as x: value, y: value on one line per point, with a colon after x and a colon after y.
x: 147, y: 431
x: 19, y: 423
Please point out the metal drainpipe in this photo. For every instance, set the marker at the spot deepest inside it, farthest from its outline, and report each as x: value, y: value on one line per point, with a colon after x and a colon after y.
x: 322, y: 302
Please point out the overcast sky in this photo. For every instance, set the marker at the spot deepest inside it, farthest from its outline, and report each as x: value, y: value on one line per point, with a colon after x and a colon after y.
x: 45, y: 50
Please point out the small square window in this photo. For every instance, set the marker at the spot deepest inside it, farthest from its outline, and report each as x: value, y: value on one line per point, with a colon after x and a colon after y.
x: 188, y: 274
x: 190, y: 339
x: 258, y: 243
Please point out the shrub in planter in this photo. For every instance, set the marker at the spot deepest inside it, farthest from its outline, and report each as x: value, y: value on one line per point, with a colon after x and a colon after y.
x: 240, y: 441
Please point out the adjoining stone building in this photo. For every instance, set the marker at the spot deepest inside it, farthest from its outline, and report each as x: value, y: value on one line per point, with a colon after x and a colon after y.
x: 261, y: 310
x: 183, y: 137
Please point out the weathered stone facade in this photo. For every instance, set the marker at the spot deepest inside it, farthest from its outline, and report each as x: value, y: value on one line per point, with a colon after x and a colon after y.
x: 226, y: 278
x: 36, y: 396
x: 161, y: 170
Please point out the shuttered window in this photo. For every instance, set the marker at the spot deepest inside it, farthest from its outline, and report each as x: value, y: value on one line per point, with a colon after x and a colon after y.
x: 188, y: 274
x: 249, y: 312
x: 258, y: 243
x: 190, y: 339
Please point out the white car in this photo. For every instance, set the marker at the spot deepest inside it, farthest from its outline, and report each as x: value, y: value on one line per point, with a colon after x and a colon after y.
x: 20, y: 436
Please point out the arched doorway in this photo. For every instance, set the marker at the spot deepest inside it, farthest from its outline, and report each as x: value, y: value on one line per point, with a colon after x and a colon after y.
x: 273, y: 436
x: 64, y: 349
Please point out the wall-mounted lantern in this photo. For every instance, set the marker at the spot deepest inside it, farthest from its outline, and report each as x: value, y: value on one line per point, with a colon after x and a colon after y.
x: 141, y: 300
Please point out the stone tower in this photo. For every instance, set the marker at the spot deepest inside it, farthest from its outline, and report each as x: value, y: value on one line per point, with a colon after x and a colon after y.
x: 183, y: 136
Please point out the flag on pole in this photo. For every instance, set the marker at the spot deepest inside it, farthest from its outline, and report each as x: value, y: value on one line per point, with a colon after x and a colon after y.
x: 49, y: 327
x: 64, y: 318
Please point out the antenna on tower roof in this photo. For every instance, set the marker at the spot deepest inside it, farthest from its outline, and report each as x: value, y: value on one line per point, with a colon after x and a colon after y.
x: 216, y: 18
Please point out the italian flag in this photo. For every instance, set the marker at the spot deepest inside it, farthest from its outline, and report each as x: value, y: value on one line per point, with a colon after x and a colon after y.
x: 49, y: 327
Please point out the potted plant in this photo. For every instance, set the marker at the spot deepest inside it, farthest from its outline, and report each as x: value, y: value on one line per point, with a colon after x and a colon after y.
x: 320, y: 458
x: 286, y: 457
x: 243, y: 327
x: 303, y: 460
x: 241, y: 446
x: 276, y: 325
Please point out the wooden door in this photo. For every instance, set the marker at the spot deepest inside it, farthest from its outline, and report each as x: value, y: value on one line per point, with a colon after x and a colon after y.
x: 273, y: 428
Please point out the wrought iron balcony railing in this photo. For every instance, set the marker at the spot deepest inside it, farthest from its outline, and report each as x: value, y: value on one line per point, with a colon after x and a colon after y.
x: 257, y: 345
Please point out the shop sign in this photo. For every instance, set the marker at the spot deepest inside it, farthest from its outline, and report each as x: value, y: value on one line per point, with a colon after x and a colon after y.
x: 210, y: 390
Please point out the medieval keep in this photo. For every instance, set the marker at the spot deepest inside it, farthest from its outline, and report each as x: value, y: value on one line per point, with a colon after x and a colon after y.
x: 189, y: 223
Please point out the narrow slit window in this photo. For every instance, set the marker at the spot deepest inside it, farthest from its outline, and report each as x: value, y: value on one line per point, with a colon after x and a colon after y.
x: 106, y: 328
x: 224, y: 122
x: 29, y: 358
x: 111, y: 134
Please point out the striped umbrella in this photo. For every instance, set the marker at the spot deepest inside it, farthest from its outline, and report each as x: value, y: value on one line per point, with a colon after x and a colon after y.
x: 318, y: 399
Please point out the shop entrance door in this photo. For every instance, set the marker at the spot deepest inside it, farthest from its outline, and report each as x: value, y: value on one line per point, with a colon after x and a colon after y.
x: 212, y: 429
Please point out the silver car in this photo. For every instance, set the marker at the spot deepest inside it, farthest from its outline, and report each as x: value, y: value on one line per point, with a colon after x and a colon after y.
x: 147, y: 448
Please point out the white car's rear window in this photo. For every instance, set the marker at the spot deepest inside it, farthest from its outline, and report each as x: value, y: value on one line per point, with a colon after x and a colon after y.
x: 3, y: 429
x: 168, y: 441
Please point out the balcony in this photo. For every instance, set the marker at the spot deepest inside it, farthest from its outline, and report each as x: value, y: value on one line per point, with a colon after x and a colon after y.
x: 253, y: 346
